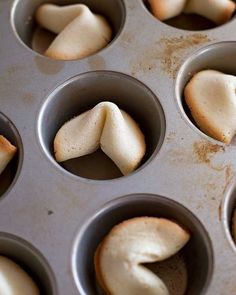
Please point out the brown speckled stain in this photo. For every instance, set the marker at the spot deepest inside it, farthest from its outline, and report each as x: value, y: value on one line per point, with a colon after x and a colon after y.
x: 169, y: 51
x: 47, y: 66
x: 28, y: 98
x: 211, y: 186
x: 172, y: 48
x: 70, y: 195
x: 13, y: 70
x: 128, y: 39
x: 145, y: 63
x: 131, y: 6
x: 233, y: 289
x: 97, y: 63
x: 179, y: 155
x: 9, y: 74
x: 204, y: 151
x: 215, y: 180
x: 170, y: 136
x: 220, y: 211
x: 230, y: 287
x: 229, y: 174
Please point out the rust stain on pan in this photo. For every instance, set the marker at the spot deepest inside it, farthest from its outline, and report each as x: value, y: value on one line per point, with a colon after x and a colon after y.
x: 215, y: 180
x: 216, y: 185
x: 172, y: 49
x: 230, y: 287
x: 9, y: 74
x: 169, y: 51
x: 211, y: 186
x: 128, y: 39
x: 13, y: 70
x: 229, y: 174
x: 47, y: 66
x: 97, y: 63
x: 177, y: 156
x: 171, y: 136
x: 28, y: 98
x: 220, y: 211
x: 204, y: 151
x: 71, y: 196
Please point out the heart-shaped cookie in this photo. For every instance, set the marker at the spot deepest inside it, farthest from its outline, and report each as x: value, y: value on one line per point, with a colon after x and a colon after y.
x: 80, y: 32
x: 120, y: 257
x: 104, y: 126
x: 7, y: 152
x: 211, y: 98
x: 219, y: 11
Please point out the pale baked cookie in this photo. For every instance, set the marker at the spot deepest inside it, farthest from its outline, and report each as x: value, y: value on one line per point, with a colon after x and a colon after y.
x: 107, y: 127
x: 211, y: 98
x: 7, y: 151
x: 14, y: 280
x: 80, y: 32
x: 120, y: 257
x: 219, y: 11
x: 165, y: 9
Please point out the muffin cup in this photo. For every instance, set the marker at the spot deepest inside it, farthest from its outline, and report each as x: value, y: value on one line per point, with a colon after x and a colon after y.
x: 30, y: 260
x: 189, y: 22
x: 85, y: 91
x: 31, y: 35
x: 9, y: 176
x: 197, y: 254
x: 218, y: 56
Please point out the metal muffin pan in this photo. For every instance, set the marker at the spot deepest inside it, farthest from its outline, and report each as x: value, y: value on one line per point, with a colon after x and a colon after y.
x: 50, y: 220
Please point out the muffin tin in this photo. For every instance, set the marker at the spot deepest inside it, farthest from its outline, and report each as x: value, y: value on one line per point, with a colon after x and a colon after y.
x: 53, y: 216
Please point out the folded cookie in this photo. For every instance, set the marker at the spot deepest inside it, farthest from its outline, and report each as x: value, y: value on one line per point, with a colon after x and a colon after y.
x: 234, y: 225
x: 211, y: 98
x: 104, y: 126
x: 80, y: 32
x: 120, y: 257
x: 14, y: 280
x: 165, y: 9
x: 7, y: 151
x: 219, y: 11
